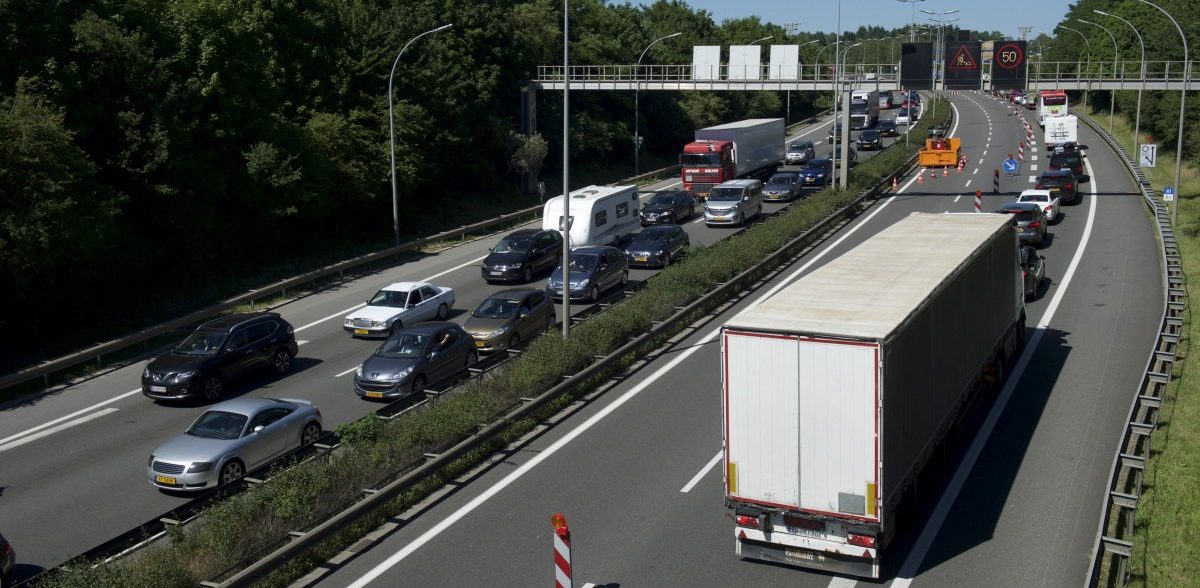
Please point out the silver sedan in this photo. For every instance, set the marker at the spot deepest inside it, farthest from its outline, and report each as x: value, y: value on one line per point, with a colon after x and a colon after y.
x: 232, y: 438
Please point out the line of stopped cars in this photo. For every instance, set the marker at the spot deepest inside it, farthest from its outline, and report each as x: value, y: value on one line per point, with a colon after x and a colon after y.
x: 1037, y: 208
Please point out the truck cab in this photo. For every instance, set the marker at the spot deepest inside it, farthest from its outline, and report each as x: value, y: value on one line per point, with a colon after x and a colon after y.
x: 705, y: 164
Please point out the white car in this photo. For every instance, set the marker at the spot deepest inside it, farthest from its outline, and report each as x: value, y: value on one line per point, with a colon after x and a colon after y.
x: 1048, y: 202
x: 902, y: 118
x: 399, y: 305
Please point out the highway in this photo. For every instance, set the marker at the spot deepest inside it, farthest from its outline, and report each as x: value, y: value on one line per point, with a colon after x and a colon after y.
x: 636, y: 472
x: 75, y: 459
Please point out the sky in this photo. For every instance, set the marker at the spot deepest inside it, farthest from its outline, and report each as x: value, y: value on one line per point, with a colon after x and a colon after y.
x: 821, y: 15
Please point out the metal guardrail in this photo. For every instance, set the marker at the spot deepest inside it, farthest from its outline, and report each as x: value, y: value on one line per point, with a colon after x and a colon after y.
x: 96, y: 353
x: 1114, y: 544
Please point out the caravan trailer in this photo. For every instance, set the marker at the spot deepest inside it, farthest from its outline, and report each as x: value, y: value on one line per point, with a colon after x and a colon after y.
x: 611, y: 211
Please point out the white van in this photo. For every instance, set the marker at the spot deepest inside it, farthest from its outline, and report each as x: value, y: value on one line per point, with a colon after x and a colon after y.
x: 733, y: 202
x: 612, y: 213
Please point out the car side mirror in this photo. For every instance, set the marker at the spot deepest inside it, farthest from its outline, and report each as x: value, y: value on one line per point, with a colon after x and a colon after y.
x: 604, y: 266
x: 524, y: 313
x: 257, y: 429
x: 745, y: 198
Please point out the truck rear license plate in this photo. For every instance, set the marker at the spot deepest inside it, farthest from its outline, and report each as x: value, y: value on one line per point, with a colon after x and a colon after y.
x: 803, y: 554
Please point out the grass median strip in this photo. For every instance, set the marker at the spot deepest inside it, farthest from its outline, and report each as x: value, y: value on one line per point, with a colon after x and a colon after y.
x: 374, y: 451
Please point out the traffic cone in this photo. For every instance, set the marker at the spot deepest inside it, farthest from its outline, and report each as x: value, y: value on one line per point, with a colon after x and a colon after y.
x: 920, y: 178
x: 945, y: 171
x: 960, y: 167
x: 894, y: 183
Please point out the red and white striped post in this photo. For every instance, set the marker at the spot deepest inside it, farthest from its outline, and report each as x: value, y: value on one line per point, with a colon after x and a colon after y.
x: 562, y: 551
x: 1021, y: 152
x: 978, y: 200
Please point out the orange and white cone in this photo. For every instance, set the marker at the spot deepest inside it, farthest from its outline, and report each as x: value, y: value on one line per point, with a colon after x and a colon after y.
x: 946, y: 171
x: 920, y: 178
x: 894, y: 183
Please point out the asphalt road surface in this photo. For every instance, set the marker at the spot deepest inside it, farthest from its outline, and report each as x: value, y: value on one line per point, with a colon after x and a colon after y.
x: 636, y: 472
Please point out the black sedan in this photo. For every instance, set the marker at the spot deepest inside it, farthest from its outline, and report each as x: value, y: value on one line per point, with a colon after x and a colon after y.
x: 1061, y: 183
x: 887, y: 128
x: 657, y: 246
x: 1033, y: 270
x: 521, y: 254
x: 219, y: 351
x: 818, y: 172
x: 414, y: 357
x: 668, y: 208
x: 870, y: 139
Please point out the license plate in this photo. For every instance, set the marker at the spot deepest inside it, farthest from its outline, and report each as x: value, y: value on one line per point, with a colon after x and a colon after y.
x: 165, y: 480
x: 800, y: 554
x: 717, y: 217
x: 640, y: 258
x: 360, y: 331
x: 495, y: 273
x: 479, y: 343
x: 804, y: 531
x: 158, y: 388
x: 374, y: 394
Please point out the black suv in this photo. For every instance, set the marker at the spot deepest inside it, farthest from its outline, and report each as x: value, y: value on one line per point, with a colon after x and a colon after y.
x: 1060, y: 182
x: 521, y: 254
x: 1071, y: 159
x: 219, y: 351
x: 887, y: 128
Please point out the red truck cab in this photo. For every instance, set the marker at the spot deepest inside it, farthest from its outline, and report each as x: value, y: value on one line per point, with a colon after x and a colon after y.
x: 704, y: 164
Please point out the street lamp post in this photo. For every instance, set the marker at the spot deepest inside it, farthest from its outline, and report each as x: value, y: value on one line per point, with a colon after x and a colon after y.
x: 1112, y: 95
x: 940, y: 48
x: 844, y: 139
x: 1089, y: 57
x: 912, y: 29
x: 392, y: 130
x: 564, y: 224
x: 788, y: 115
x: 637, y: 137
x: 1187, y: 67
x: 1137, y: 119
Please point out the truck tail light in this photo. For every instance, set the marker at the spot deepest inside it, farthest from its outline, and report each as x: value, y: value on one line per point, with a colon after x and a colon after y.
x: 747, y: 521
x: 860, y: 540
x: 1024, y: 274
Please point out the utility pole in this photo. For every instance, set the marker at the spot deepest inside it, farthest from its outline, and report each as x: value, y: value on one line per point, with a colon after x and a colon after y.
x: 1025, y: 30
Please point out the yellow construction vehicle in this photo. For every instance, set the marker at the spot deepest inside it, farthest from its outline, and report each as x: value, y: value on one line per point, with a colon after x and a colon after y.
x: 940, y: 152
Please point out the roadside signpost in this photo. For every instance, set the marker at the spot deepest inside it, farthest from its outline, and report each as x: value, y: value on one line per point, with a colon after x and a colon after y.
x: 1168, y: 193
x: 1149, y: 155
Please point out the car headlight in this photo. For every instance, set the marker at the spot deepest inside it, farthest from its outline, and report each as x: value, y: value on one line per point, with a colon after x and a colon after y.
x: 199, y: 466
x: 500, y: 331
x: 146, y: 372
x: 358, y: 370
x: 580, y: 284
x: 182, y: 376
x: 349, y: 322
x: 378, y: 323
x: 659, y: 252
x: 820, y: 176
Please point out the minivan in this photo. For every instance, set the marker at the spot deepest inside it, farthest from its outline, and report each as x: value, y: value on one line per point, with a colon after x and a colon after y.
x: 733, y: 202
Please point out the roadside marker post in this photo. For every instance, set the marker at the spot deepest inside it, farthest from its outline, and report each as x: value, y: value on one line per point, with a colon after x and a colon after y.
x: 978, y: 200
x: 996, y: 181
x: 562, y: 551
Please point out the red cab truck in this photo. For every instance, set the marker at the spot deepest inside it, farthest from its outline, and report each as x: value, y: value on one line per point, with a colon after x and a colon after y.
x: 734, y: 150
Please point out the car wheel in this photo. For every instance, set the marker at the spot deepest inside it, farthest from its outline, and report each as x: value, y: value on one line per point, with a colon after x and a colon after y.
x: 594, y: 294
x: 692, y: 211
x: 311, y: 433
x: 443, y: 312
x: 667, y: 259
x: 396, y: 326
x: 527, y: 276
x: 673, y: 219
x: 473, y: 358
x: 232, y: 472
x: 418, y: 384
x: 282, y: 361
x: 514, y: 341
x: 550, y: 323
x: 624, y: 278
x: 213, y: 388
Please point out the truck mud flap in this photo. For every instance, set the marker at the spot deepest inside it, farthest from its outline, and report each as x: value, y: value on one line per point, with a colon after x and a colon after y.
x: 806, y: 558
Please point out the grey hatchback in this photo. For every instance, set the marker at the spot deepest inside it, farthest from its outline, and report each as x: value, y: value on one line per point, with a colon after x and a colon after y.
x: 413, y: 357
x: 593, y: 270
x: 508, y: 317
x: 1030, y: 221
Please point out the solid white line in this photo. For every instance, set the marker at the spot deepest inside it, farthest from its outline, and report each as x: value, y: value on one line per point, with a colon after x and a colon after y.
x: 347, y: 371
x: 301, y: 342
x: 53, y: 430
x: 72, y: 415
x: 700, y: 474
x: 701, y: 219
x: 486, y: 495
x: 930, y: 531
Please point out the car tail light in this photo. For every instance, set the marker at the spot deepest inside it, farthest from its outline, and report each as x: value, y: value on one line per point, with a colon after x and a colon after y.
x: 1035, y: 225
x: 5, y: 549
x: 1024, y: 274
x: 860, y: 540
x: 1068, y: 186
x: 747, y: 521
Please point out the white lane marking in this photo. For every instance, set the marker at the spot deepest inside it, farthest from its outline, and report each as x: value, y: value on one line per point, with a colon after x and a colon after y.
x: 53, y: 430
x: 701, y: 219
x: 982, y: 154
x: 72, y: 415
x: 930, y: 531
x: 1033, y: 167
x: 840, y: 582
x: 975, y: 172
x: 1032, y: 179
x: 968, y: 184
x: 957, y: 197
x: 700, y: 474
x: 486, y: 495
x: 360, y: 305
x: 301, y: 342
x: 1033, y: 158
x: 347, y: 371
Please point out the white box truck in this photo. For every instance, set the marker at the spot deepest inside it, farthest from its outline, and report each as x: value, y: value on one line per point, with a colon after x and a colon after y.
x: 1061, y: 129
x: 837, y: 390
x: 609, y: 213
x: 752, y: 147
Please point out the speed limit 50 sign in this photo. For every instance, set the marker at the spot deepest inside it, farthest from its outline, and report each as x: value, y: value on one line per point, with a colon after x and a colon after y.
x: 1008, y: 65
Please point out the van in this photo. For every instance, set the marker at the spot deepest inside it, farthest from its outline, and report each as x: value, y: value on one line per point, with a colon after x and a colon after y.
x: 600, y: 215
x: 733, y: 202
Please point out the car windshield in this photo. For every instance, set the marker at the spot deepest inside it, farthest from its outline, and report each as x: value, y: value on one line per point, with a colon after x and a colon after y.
x: 653, y: 234
x: 404, y: 345
x: 886, y: 123
x: 201, y: 343
x: 494, y: 308
x: 869, y: 135
x: 661, y: 200
x: 1052, y: 181
x: 799, y: 146
x: 513, y: 245
x: 781, y: 180
x: 815, y: 165
x: 1034, y: 198
x: 725, y: 194
x: 700, y: 159
x: 392, y: 298
x: 218, y: 424
x: 582, y: 262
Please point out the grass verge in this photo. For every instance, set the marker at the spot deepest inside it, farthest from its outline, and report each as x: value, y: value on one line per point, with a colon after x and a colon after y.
x: 1164, y: 541
x: 251, y: 523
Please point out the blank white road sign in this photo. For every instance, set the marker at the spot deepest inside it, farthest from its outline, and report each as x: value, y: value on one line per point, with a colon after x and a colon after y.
x: 1149, y: 155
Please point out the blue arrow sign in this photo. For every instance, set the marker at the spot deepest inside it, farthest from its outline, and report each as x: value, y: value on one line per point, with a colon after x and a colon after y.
x: 1010, y: 166
x: 1168, y: 193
